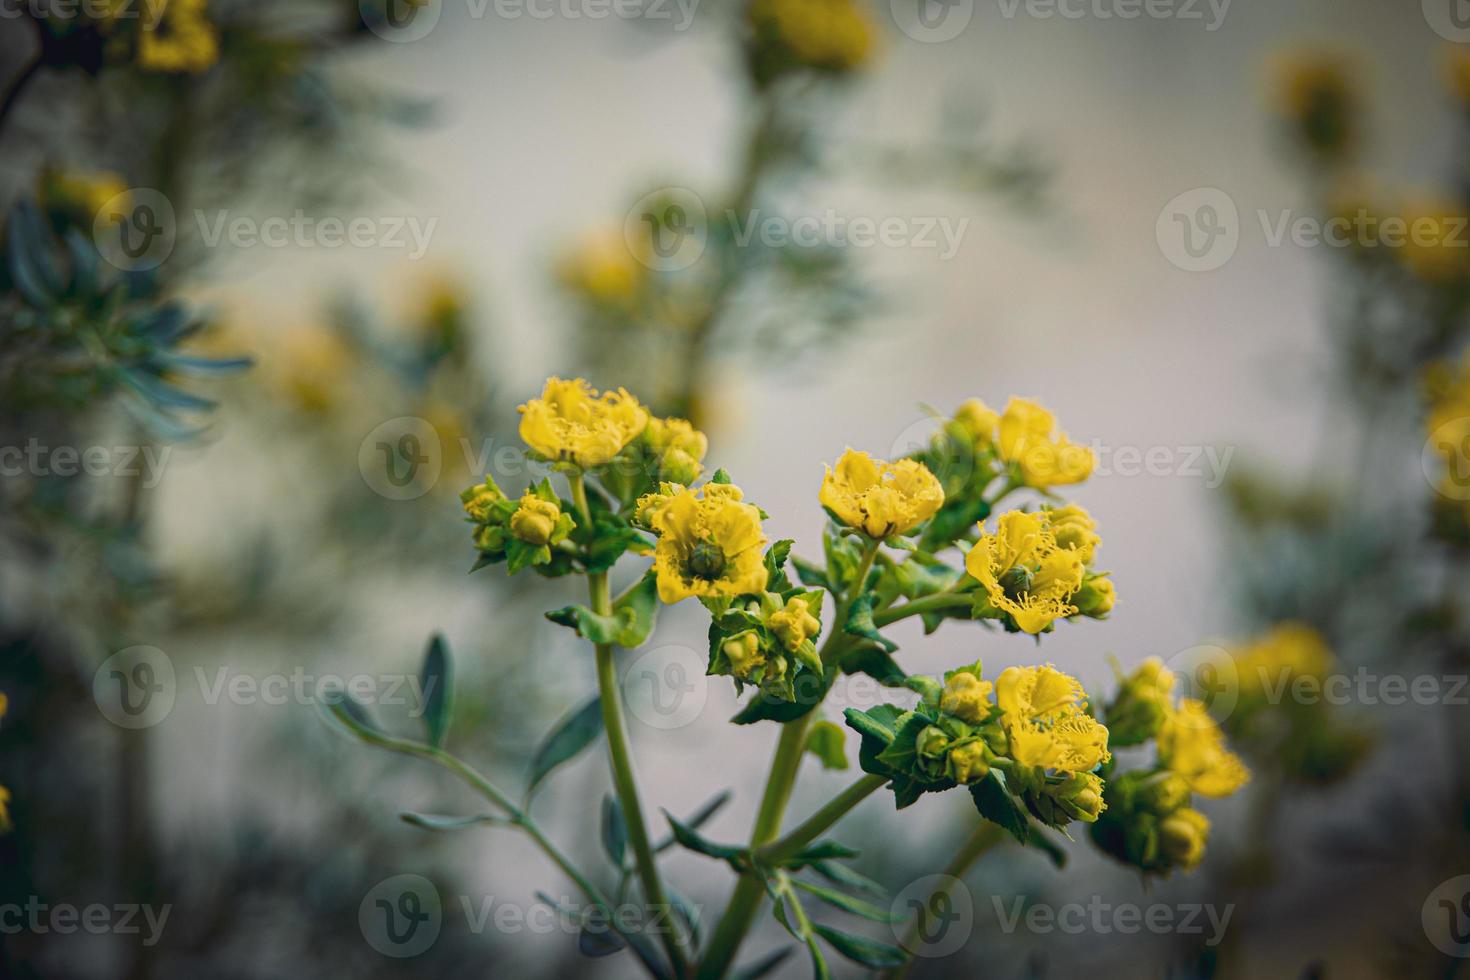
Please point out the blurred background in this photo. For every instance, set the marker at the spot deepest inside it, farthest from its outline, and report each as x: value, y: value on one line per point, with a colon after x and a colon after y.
x: 1105, y: 207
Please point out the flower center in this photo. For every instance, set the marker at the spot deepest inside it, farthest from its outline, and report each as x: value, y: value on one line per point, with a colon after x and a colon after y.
x: 1016, y: 581
x: 707, y: 561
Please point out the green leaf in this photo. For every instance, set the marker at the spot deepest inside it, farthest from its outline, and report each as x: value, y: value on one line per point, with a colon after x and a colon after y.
x: 860, y: 623
x: 926, y: 687
x: 998, y: 806
x: 687, y: 911
x: 824, y: 850
x: 698, y: 818
x: 861, y: 949
x: 763, y: 965
x: 845, y: 902
x: 600, y: 941
x: 776, y: 579
x: 629, y: 625
x: 873, y: 660
x: 614, y: 831
x: 811, y: 575
x: 439, y: 822
x: 349, y: 716
x: 690, y: 839
x: 902, y: 753
x: 720, y: 476
x: 841, y: 874
x: 827, y: 742
x: 575, y: 732
x: 436, y: 682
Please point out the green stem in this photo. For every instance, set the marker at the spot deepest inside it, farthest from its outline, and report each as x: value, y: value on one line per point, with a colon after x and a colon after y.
x: 749, y: 890
x: 620, y: 755
x: 813, y: 827
x: 930, y: 603
x: 985, y: 836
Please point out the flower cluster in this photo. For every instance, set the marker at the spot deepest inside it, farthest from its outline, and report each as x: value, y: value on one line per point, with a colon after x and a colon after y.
x: 1034, y: 570
x: 520, y: 532
x: 831, y: 36
x: 1150, y: 823
x: 1447, y: 424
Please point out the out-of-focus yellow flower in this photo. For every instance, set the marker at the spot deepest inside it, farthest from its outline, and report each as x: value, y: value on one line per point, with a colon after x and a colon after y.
x: 1436, y: 248
x: 1289, y: 650
x: 5, y: 824
x: 1028, y: 437
x: 967, y: 697
x: 1447, y: 425
x: 678, y: 447
x: 571, y: 422
x: 979, y: 420
x: 794, y: 623
x: 1046, y: 722
x: 829, y: 35
x: 1457, y: 73
x: 1024, y: 572
x: 880, y: 498
x: 1183, y: 835
x: 709, y: 544
x: 182, y: 41
x: 311, y: 364
x: 603, y: 267
x: 1314, y: 92
x: 82, y: 194
x: 1144, y: 701
x: 1192, y: 745
x: 1074, y: 528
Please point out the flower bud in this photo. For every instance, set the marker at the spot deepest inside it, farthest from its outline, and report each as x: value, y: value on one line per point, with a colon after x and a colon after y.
x: 479, y: 501
x: 978, y: 420
x: 968, y: 763
x: 535, y: 519
x: 1163, y: 793
x: 967, y: 697
x: 1182, y: 838
x: 1079, y: 796
x: 1095, y: 598
x: 677, y: 466
x: 794, y: 624
x: 1142, y: 703
x: 744, y: 654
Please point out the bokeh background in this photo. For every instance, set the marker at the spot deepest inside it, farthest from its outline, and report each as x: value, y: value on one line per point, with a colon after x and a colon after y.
x: 1061, y: 143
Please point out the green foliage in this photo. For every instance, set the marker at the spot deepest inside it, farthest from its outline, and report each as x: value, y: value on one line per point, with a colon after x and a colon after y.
x: 568, y: 740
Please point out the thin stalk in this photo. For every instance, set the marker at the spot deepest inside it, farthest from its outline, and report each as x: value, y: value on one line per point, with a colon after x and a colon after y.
x: 620, y: 754
x: 813, y: 827
x: 749, y: 890
x: 930, y: 603
x: 985, y: 836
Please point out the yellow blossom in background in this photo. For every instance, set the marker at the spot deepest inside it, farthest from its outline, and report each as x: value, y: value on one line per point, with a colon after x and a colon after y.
x: 880, y: 498
x: 1183, y: 835
x: 678, y: 447
x: 603, y: 267
x: 1025, y: 572
x: 1315, y: 92
x: 5, y: 824
x: 1045, y: 719
x: 979, y: 420
x: 1289, y: 650
x: 571, y: 422
x: 1456, y: 73
x: 1436, y: 248
x: 82, y: 194
x: 1045, y: 457
x: 709, y: 544
x: 967, y: 697
x: 832, y: 35
x: 183, y: 40
x: 1192, y: 745
x: 310, y: 363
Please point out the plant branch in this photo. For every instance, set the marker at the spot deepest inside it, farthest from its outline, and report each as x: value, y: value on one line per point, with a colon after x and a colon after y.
x: 813, y: 827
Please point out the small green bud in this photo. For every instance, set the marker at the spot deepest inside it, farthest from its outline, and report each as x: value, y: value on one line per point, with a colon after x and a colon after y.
x: 1095, y: 598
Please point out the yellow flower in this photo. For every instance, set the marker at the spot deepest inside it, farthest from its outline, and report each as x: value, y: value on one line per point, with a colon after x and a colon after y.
x: 1044, y: 456
x: 1043, y: 712
x: 1183, y: 836
x: 708, y: 545
x: 1435, y: 248
x: 602, y: 267
x: 1024, y: 572
x: 880, y: 498
x: 535, y: 520
x: 1074, y: 528
x: 678, y: 447
x: 1457, y: 73
x: 794, y: 624
x: 83, y: 194
x: 833, y: 35
x: 1192, y: 745
x: 967, y: 697
x: 572, y: 422
x: 979, y: 420
x: 1287, y: 651
x: 312, y: 367
x: 183, y: 40
x: 1313, y: 92
x: 5, y: 824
